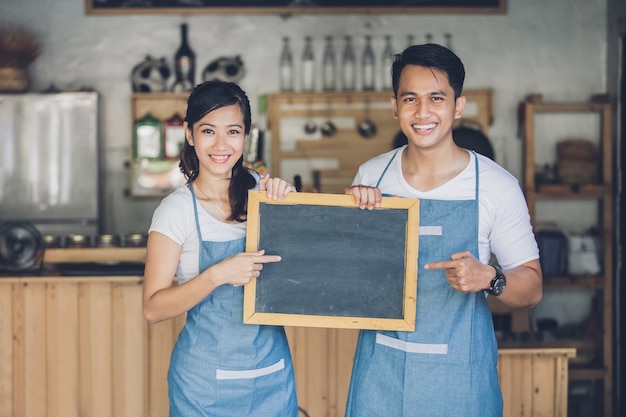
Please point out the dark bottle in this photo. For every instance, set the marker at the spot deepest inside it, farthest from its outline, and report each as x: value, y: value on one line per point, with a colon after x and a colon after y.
x: 286, y: 66
x: 184, y: 64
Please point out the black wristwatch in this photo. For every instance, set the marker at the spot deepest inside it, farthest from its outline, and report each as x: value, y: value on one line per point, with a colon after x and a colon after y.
x: 498, y: 283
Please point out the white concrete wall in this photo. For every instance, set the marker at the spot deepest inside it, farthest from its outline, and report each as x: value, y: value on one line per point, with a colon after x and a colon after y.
x: 557, y: 48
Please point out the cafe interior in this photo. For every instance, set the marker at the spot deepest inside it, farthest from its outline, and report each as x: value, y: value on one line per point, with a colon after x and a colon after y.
x: 92, y: 99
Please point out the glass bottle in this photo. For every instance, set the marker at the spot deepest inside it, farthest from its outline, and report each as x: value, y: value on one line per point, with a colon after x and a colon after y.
x: 286, y: 66
x: 386, y: 62
x: 448, y: 37
x: 429, y: 38
x: 348, y: 66
x: 308, y: 65
x: 329, y: 67
x: 410, y: 40
x: 368, y: 65
x: 148, y: 138
x: 184, y: 64
x: 173, y: 137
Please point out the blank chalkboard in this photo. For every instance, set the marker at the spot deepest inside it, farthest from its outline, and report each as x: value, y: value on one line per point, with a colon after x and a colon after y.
x: 341, y: 266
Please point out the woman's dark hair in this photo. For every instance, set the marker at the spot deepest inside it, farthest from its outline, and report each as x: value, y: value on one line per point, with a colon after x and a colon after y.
x: 430, y: 55
x: 206, y: 97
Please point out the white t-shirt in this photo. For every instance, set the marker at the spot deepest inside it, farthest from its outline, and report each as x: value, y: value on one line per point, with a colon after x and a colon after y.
x: 175, y: 218
x: 504, y: 227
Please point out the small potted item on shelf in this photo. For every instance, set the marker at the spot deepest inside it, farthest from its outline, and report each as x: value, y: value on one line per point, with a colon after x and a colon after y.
x: 150, y: 75
x: 18, y: 49
x: 577, y: 161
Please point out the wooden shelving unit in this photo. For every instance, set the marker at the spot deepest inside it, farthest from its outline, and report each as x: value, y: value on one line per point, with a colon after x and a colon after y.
x: 336, y: 158
x: 602, y: 194
x: 161, y: 106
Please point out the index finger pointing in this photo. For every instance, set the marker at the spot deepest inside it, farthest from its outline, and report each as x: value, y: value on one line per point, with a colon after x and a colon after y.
x: 439, y: 265
x: 267, y: 259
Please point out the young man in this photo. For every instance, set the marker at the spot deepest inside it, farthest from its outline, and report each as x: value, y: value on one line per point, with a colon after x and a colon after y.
x: 470, y: 207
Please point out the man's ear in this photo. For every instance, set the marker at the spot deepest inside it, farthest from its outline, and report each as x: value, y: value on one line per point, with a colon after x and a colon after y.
x: 394, y: 106
x: 459, y: 106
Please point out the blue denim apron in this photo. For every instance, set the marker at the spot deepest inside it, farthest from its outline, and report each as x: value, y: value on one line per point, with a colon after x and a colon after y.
x: 222, y: 367
x: 447, y: 366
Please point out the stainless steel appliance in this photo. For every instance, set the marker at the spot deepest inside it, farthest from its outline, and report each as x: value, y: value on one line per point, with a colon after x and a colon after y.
x: 49, y: 170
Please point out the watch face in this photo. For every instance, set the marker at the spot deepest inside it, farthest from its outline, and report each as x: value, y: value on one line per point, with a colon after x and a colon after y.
x: 498, y: 285
x: 498, y: 282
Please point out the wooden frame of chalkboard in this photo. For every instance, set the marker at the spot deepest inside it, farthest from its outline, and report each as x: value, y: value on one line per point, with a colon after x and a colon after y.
x: 341, y: 266
x: 288, y: 7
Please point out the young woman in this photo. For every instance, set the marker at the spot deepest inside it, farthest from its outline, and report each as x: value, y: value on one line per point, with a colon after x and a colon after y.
x: 219, y: 366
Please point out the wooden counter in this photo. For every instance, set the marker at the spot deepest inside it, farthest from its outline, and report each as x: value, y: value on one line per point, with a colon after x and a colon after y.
x: 79, y: 346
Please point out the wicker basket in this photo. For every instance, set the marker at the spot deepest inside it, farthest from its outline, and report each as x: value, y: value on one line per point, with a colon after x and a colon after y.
x: 576, y: 149
x: 578, y: 172
x: 13, y: 80
x: 577, y: 161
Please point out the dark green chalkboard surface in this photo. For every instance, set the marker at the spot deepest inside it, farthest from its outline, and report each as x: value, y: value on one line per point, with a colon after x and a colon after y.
x: 341, y: 266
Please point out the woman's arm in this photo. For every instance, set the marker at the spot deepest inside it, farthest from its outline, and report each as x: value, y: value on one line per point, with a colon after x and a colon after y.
x: 162, y: 300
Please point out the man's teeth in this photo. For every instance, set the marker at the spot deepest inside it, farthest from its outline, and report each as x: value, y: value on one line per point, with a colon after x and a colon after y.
x: 424, y: 127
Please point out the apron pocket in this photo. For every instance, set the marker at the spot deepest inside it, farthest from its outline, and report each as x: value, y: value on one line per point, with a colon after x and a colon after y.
x: 267, y: 391
x: 250, y: 373
x: 412, y: 347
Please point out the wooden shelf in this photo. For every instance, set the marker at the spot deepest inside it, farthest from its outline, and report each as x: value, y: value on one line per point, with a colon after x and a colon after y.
x: 288, y: 112
x: 578, y: 374
x: 162, y: 106
x: 52, y: 256
x: 561, y: 191
x: 595, y: 359
x: 567, y: 107
x: 574, y: 281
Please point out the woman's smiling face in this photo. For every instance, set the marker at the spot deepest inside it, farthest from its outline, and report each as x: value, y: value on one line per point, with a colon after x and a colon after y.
x: 218, y: 139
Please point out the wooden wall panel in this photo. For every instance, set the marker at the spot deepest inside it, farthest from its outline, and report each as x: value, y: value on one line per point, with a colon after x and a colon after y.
x: 82, y: 348
x: 534, y: 381
x: 61, y: 340
x: 6, y: 351
x: 129, y: 351
x: 95, y: 362
x: 34, y: 390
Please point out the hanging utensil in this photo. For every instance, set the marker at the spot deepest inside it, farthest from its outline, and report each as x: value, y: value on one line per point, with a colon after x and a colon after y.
x: 310, y: 126
x: 367, y: 128
x: 328, y: 127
